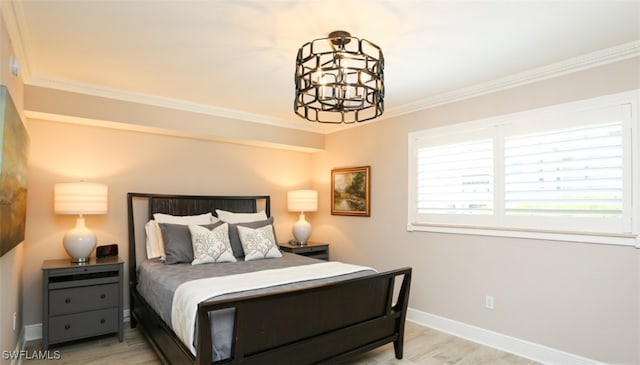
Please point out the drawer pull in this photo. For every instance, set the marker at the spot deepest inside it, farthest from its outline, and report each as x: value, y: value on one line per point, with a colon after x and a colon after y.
x: 67, y: 326
x: 68, y: 300
x: 102, y: 296
x: 102, y: 321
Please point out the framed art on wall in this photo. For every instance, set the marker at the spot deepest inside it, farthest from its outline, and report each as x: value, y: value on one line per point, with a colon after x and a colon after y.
x: 351, y: 191
x: 14, y: 146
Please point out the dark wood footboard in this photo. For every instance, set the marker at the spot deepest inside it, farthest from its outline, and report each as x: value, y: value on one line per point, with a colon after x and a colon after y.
x: 321, y: 324
x: 324, y: 323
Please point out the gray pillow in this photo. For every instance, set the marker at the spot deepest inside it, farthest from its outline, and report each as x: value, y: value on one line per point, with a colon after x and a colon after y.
x: 234, y: 237
x: 177, y: 241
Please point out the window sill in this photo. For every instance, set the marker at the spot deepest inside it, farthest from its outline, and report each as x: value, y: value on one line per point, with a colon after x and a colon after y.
x: 598, y: 238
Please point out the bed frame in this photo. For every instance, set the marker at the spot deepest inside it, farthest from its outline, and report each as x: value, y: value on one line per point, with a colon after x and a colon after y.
x: 320, y: 324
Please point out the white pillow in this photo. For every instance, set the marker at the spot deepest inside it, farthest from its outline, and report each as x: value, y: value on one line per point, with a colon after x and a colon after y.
x: 259, y: 243
x: 155, y: 245
x: 231, y: 217
x: 210, y: 246
x: 205, y: 218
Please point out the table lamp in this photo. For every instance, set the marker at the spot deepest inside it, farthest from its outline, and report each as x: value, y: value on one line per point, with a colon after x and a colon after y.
x: 302, y: 201
x: 80, y: 198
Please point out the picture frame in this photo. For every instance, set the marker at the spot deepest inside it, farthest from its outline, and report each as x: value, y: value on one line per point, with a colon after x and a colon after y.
x: 351, y: 191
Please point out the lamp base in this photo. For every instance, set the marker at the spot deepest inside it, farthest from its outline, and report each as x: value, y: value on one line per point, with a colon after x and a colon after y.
x: 80, y: 260
x: 79, y: 242
x: 297, y: 243
x: 302, y: 230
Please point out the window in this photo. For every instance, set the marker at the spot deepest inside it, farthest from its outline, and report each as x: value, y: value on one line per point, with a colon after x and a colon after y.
x: 564, y: 172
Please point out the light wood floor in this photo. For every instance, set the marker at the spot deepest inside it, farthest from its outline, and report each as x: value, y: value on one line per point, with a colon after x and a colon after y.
x: 421, y: 346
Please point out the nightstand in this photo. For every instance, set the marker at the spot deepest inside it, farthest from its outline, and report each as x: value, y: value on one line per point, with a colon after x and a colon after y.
x: 310, y: 249
x: 81, y: 300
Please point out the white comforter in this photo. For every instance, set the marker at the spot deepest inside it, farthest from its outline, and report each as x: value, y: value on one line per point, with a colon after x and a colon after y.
x: 189, y: 294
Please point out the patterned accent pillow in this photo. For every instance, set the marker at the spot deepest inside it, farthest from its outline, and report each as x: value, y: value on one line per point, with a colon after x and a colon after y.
x: 259, y: 243
x: 234, y: 237
x: 210, y: 246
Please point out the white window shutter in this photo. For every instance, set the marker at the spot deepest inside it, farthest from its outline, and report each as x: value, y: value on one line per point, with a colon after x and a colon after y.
x: 456, y: 179
x: 575, y: 172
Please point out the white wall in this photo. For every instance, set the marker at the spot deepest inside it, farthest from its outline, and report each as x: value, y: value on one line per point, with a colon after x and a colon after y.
x: 579, y: 298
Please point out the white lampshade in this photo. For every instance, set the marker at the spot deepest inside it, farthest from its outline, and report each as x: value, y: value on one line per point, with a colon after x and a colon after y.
x: 302, y: 201
x: 80, y: 198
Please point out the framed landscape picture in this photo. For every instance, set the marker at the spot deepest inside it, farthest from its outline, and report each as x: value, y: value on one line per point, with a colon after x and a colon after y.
x: 351, y: 191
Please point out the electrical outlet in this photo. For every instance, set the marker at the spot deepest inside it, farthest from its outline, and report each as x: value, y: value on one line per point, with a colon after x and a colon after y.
x: 489, y: 302
x: 15, y: 320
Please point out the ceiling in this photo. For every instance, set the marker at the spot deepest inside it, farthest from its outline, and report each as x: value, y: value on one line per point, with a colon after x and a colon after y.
x: 237, y: 57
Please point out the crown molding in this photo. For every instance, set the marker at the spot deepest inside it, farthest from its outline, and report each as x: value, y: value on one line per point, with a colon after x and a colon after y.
x: 571, y: 65
x: 575, y: 64
x: 594, y: 59
x: 163, y: 102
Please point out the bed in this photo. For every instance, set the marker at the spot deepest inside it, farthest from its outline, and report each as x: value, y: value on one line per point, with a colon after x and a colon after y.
x: 315, y: 319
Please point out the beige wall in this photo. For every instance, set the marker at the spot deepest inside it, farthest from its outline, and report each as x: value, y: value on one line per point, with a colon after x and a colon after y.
x: 138, y: 162
x: 576, y: 297
x: 11, y: 263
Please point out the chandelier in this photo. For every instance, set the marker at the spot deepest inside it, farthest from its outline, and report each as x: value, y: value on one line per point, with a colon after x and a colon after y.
x: 339, y: 79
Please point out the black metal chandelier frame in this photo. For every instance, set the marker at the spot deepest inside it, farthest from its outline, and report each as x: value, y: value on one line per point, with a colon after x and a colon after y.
x: 339, y: 79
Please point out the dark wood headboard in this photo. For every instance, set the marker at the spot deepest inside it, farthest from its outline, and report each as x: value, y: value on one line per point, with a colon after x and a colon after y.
x: 192, y: 205
x: 186, y: 205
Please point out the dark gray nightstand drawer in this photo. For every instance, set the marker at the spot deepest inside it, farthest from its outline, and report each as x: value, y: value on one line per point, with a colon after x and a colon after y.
x: 320, y: 255
x: 72, y: 300
x: 73, y: 326
x: 307, y: 249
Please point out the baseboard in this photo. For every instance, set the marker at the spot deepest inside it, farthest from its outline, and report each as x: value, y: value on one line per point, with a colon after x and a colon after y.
x: 516, y: 346
x: 19, y: 347
x: 32, y: 332
x: 522, y: 348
